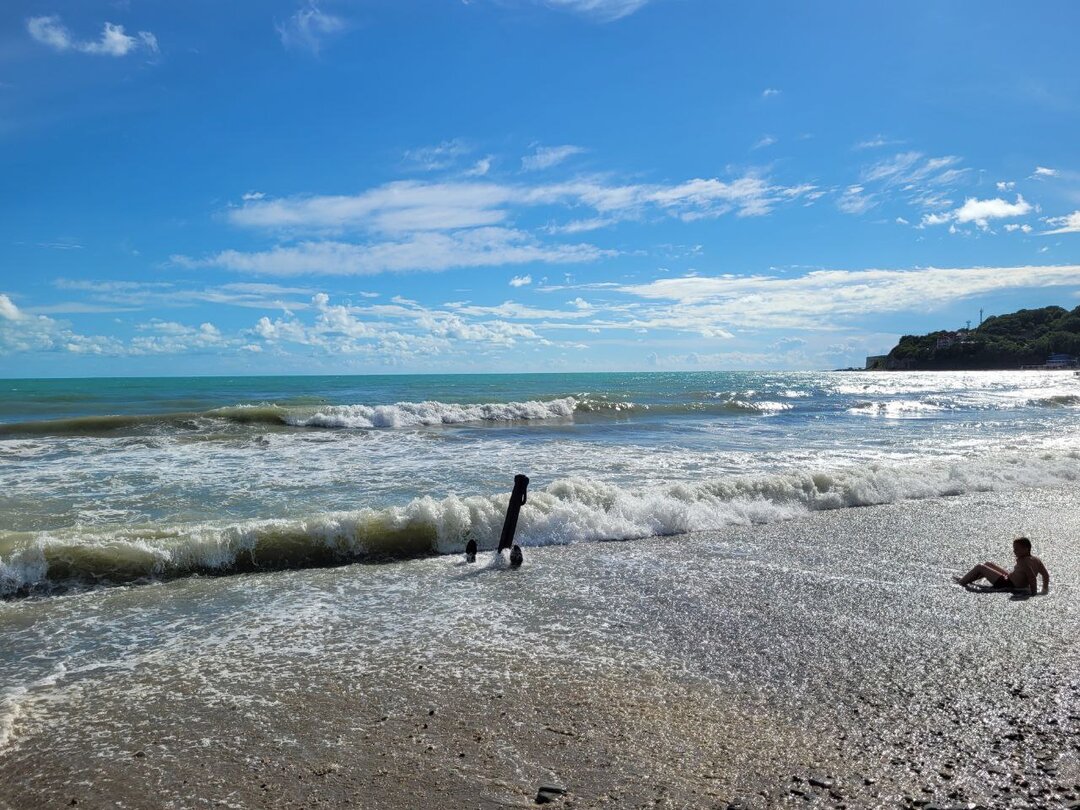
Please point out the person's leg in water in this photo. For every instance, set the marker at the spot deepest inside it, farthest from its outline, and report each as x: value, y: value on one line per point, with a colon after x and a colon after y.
x: 991, y: 572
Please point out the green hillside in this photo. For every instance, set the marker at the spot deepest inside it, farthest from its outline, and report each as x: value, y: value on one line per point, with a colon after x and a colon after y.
x: 1026, y: 337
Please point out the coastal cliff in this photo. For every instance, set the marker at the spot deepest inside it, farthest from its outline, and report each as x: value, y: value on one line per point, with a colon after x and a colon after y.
x: 1028, y: 337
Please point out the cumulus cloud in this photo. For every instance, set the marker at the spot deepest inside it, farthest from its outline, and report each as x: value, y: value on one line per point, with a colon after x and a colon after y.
x: 171, y: 337
x: 1070, y: 223
x: 308, y: 28
x: 980, y: 212
x: 520, y: 281
x: 8, y: 310
x: 114, y: 41
x: 23, y: 332
x: 544, y: 157
x: 401, y: 331
x: 1042, y: 172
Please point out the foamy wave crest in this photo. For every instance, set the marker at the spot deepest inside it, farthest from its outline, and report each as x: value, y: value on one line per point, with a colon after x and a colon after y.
x: 896, y: 409
x: 763, y: 406
x: 566, y: 511
x: 743, y: 403
x: 423, y: 414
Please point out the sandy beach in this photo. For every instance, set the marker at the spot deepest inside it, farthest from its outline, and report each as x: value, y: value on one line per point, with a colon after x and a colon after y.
x: 827, y: 661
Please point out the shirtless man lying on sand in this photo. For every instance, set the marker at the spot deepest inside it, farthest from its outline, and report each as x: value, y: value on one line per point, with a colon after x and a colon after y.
x: 1021, y: 578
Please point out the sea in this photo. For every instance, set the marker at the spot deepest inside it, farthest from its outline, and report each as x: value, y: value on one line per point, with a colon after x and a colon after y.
x: 107, y: 481
x: 178, y: 555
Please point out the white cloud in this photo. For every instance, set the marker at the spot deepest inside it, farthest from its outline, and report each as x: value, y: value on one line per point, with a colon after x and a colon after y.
x: 122, y: 296
x: 1005, y: 185
x: 980, y: 212
x: 8, y: 310
x: 1070, y: 223
x: 902, y: 221
x: 402, y: 331
x: 521, y: 312
x: 763, y: 142
x: 49, y: 30
x: 855, y: 200
x: 1012, y: 227
x: 440, y: 156
x: 23, y: 332
x: 544, y: 157
x: 479, y: 247
x: 876, y: 142
x: 481, y: 167
x: 823, y: 299
x: 600, y: 10
x: 1043, y: 172
x: 935, y: 219
x: 309, y: 27
x: 171, y: 337
x: 912, y: 176
x: 252, y: 196
x: 582, y: 225
x: 520, y: 281
x: 410, y: 206
x: 769, y: 92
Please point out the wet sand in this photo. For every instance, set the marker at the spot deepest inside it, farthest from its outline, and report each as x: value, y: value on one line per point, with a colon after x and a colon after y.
x: 827, y: 661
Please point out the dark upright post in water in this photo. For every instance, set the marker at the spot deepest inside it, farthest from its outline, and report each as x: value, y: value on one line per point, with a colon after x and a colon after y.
x: 517, y: 498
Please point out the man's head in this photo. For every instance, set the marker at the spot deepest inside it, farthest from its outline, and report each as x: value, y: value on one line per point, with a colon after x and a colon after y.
x: 1022, y: 547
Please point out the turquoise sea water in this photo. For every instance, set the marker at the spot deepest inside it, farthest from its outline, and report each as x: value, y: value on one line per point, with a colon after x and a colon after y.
x: 112, y: 480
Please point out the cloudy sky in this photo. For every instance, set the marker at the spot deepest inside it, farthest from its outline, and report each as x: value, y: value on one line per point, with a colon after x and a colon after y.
x: 501, y: 185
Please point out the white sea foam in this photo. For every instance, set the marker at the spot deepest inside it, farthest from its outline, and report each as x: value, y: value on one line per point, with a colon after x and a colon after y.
x: 14, y: 699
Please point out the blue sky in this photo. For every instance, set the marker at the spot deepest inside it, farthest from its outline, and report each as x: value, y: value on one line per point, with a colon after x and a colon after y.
x: 508, y: 185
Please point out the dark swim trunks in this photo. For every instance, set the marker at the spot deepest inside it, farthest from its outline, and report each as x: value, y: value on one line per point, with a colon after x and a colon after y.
x: 1003, y: 584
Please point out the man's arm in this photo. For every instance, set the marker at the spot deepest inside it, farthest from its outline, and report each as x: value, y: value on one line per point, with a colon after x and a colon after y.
x: 1045, y: 577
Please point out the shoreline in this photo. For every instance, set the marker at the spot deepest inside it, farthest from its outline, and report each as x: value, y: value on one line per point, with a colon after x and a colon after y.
x: 694, y: 671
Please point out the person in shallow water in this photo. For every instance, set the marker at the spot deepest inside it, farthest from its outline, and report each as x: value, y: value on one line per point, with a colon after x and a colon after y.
x: 1021, y: 578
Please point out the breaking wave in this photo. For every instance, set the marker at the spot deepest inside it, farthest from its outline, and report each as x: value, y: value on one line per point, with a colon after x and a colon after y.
x: 367, y: 417
x: 566, y: 511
